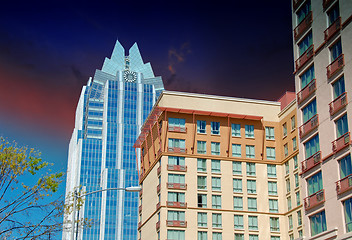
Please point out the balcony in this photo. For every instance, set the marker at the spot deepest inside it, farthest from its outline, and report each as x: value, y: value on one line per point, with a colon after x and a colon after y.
x: 176, y: 204
x: 344, y: 184
x: 158, y: 170
x: 139, y: 225
x: 332, y: 29
x: 311, y: 162
x: 157, y: 225
x: 177, y: 129
x: 338, y: 103
x: 305, y: 57
x: 341, y: 142
x: 314, y: 200
x: 335, y: 66
x: 180, y: 186
x: 326, y: 3
x: 306, y: 91
x: 140, y: 209
x: 158, y: 188
x: 296, y: 3
x: 179, y: 168
x: 158, y: 205
x: 174, y: 223
x: 309, y: 126
x: 303, y: 26
x: 177, y: 149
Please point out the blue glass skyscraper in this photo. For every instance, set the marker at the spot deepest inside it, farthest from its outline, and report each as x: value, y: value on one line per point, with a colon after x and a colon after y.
x: 110, y: 112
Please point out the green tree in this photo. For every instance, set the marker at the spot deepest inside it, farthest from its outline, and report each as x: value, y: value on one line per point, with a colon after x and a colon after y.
x: 28, y: 209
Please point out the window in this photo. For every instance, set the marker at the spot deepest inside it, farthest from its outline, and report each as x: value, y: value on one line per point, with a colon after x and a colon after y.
x: 176, y: 143
x: 176, y: 122
x: 274, y: 224
x: 273, y: 206
x: 215, y: 166
x: 249, y: 131
x: 315, y: 183
x: 284, y: 130
x: 215, y: 148
x: 270, y: 153
x: 216, y: 184
x: 307, y: 77
x: 202, y: 236
x: 295, y: 161
x: 286, y: 150
x: 345, y: 166
x: 274, y: 238
x: 317, y: 223
x: 236, y: 130
x: 269, y: 133
x: 236, y: 150
x: 339, y: 87
x: 202, y: 182
x: 272, y: 188
x: 239, y: 236
x: 253, y: 237
x: 309, y: 111
x: 252, y: 222
x: 237, y: 203
x: 202, y: 200
x: 201, y: 147
x: 289, y: 203
x: 252, y: 204
x: 303, y: 12
x: 296, y: 180
x: 175, y: 215
x: 216, y: 201
x: 201, y: 165
x: 215, y: 128
x: 237, y: 185
x: 336, y: 51
x: 251, y: 186
x: 347, y: 206
x: 217, y: 236
x: 176, y: 234
x: 299, y: 218
x: 341, y: 126
x: 176, y: 178
x: 312, y: 146
x: 271, y: 170
x: 201, y: 126
x: 293, y: 123
x: 250, y: 151
x: 202, y: 219
x: 305, y: 43
x: 333, y: 14
x: 300, y: 233
x: 216, y: 220
x: 288, y: 185
x: 238, y: 220
x: 176, y: 197
x: 298, y: 198
x: 237, y: 168
x: 290, y: 222
x: 173, y: 160
x: 250, y: 169
x: 294, y: 144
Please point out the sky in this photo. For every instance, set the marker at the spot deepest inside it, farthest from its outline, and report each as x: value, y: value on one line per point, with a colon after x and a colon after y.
x: 48, y: 50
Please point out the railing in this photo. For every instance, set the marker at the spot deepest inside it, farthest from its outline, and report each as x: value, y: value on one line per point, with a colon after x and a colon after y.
x: 306, y: 91
x: 158, y: 205
x: 309, y: 126
x: 326, y: 3
x: 296, y: 3
x: 158, y: 188
x: 158, y: 170
x: 305, y: 57
x: 303, y: 26
x: 336, y: 65
x: 177, y: 149
x: 332, y: 29
x: 157, y: 225
x: 314, y: 200
x: 180, y: 168
x: 177, y: 204
x: 338, y: 103
x: 140, y: 209
x: 341, y: 142
x: 177, y: 129
x: 174, y: 223
x: 344, y: 184
x: 181, y: 186
x: 311, y: 162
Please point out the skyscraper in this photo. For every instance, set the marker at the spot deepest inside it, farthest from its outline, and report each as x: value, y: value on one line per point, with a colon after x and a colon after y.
x: 110, y: 112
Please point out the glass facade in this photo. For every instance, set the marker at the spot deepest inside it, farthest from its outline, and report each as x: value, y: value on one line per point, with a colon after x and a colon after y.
x: 110, y: 113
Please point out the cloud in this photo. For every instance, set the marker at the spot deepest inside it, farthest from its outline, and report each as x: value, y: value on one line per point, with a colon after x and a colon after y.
x: 176, y: 56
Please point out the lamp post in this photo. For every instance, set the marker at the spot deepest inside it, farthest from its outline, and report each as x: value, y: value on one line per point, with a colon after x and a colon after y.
x: 76, y: 196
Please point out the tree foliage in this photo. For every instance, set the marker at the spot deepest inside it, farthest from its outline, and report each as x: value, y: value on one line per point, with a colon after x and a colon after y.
x: 28, y: 209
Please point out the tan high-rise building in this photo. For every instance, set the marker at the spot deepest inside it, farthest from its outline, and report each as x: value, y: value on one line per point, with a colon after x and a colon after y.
x: 219, y: 168
x: 322, y: 46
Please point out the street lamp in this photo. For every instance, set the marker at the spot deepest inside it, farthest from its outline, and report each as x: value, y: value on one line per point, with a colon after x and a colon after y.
x: 75, y: 197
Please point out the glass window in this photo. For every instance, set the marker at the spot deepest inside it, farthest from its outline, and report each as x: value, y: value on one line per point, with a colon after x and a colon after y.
x: 271, y: 170
x: 215, y: 128
x: 239, y: 236
x: 177, y: 122
x: 296, y: 180
x: 339, y: 87
x: 250, y: 153
x: 312, y: 146
x: 176, y: 178
x: 202, y: 235
x: 273, y: 206
x: 249, y: 131
x: 176, y: 197
x: 201, y: 165
x: 274, y: 238
x: 341, y: 126
x: 250, y: 169
x: 300, y: 233
x: 202, y: 182
x: 295, y: 161
x: 175, y: 215
x: 298, y: 198
x: 217, y: 236
x: 236, y: 130
x: 238, y: 220
x: 202, y: 219
x: 307, y: 77
x: 317, y: 223
x: 299, y: 218
x: 252, y: 222
x: 270, y: 153
x: 216, y: 220
x: 251, y: 186
x: 315, y: 183
x: 294, y: 144
x: 175, y: 160
x: 303, y: 12
x: 176, y: 234
x: 201, y: 126
x: 333, y: 14
x: 216, y: 201
x: 272, y: 188
x: 309, y: 111
x: 345, y: 166
x: 288, y: 185
x: 237, y: 168
x: 286, y: 150
x: 215, y: 166
x: 289, y: 203
x: 202, y: 200
x: 274, y: 224
x: 305, y: 43
x: 176, y: 143
x: 336, y: 51
x: 215, y: 148
x: 236, y: 150
x: 237, y: 185
x: 253, y: 237
x: 237, y: 203
x: 201, y: 147
x: 293, y: 123
x: 252, y: 204
x: 284, y: 129
x: 347, y: 205
x: 269, y: 133
x: 216, y: 184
